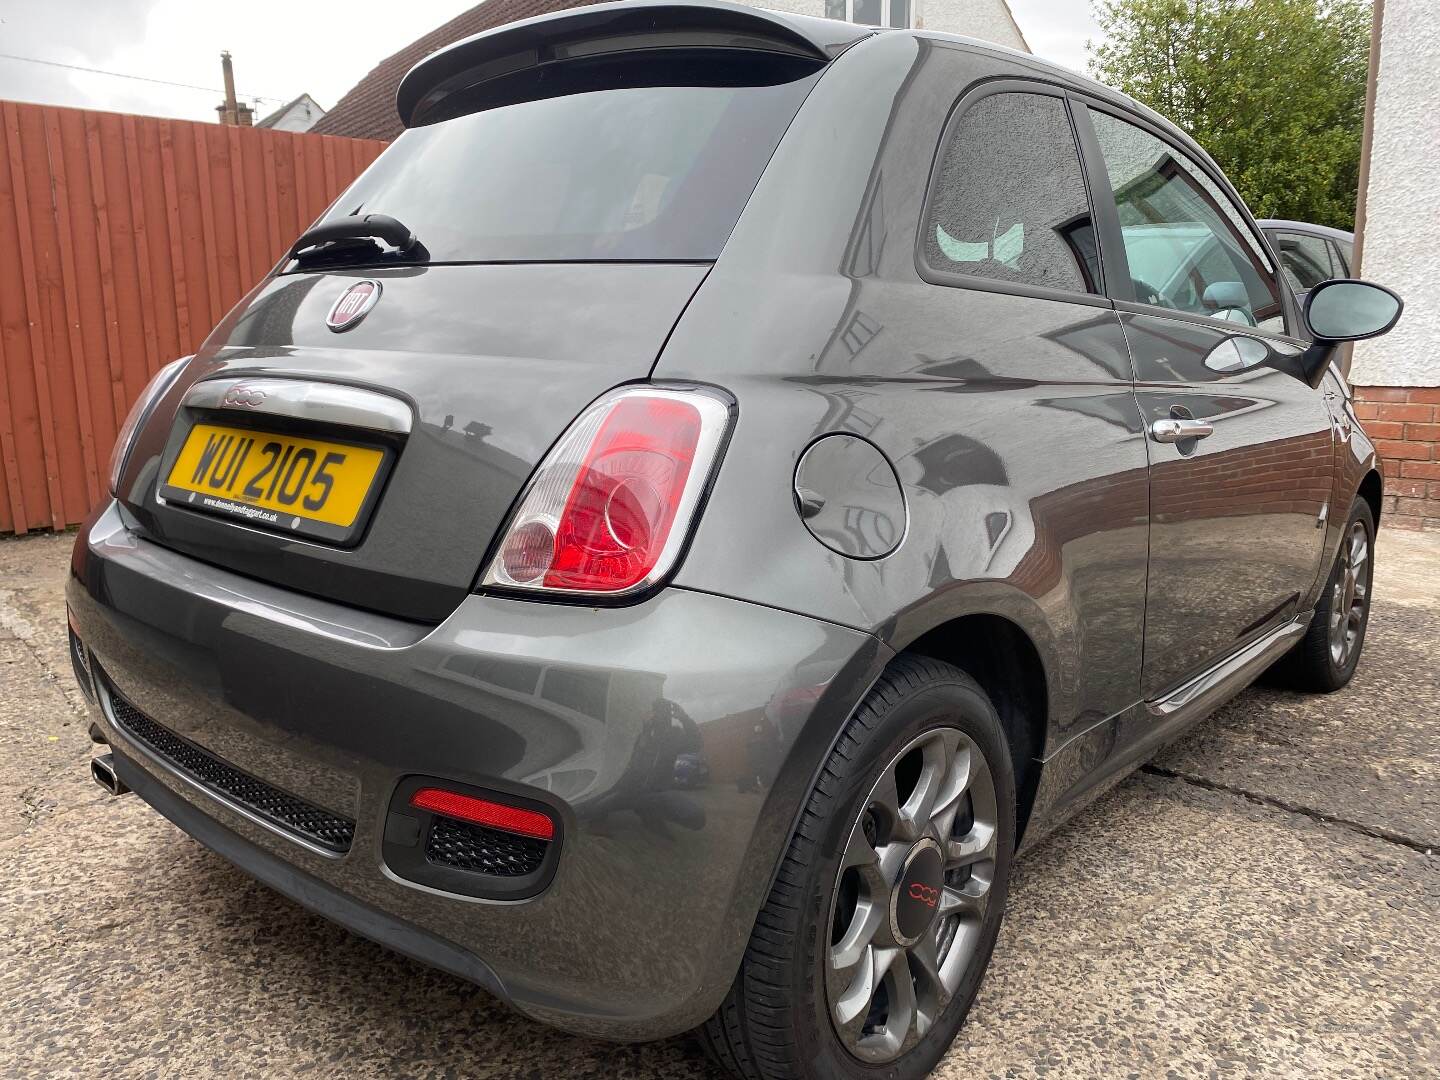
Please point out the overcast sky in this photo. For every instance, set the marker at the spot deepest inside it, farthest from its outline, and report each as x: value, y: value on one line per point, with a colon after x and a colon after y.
x: 1056, y: 29
x: 281, y: 48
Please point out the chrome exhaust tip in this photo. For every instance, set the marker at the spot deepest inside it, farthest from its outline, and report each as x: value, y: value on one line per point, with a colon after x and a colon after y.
x: 102, y: 771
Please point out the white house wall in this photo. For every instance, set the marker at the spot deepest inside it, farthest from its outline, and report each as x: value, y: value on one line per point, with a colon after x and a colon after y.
x: 988, y: 20
x: 1402, y: 216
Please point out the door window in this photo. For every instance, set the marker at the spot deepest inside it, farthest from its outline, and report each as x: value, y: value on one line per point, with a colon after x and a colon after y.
x: 1009, y: 202
x: 1345, y: 251
x: 1188, y: 245
x: 1305, y: 260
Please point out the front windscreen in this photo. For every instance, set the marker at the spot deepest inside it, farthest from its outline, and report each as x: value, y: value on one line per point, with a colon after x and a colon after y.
x: 647, y: 173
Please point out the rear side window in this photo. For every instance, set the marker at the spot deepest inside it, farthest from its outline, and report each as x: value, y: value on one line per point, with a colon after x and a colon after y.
x: 644, y: 173
x: 1345, y: 250
x: 1187, y: 244
x: 1306, y: 260
x: 1008, y: 202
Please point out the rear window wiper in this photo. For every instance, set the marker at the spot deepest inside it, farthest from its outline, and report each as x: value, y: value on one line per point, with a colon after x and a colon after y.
x: 352, y: 240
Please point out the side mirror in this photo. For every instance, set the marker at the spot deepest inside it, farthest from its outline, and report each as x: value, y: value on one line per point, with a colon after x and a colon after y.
x: 1228, y: 300
x: 1236, y: 354
x: 1343, y: 310
x: 1225, y: 296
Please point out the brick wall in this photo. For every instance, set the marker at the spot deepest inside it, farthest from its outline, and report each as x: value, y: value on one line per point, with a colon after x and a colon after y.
x: 1404, y: 422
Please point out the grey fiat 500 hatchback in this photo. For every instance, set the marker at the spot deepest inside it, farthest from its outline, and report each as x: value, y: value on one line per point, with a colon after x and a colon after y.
x: 717, y: 486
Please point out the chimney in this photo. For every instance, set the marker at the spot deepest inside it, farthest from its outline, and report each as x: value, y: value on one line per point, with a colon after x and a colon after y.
x: 232, y: 112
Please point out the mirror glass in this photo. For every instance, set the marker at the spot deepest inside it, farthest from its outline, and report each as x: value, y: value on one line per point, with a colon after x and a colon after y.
x: 1236, y: 354
x: 1225, y: 296
x: 1347, y: 310
x: 1235, y: 315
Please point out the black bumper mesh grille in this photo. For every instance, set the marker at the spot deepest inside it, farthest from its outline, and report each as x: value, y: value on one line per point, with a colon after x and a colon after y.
x: 287, y: 811
x: 481, y: 850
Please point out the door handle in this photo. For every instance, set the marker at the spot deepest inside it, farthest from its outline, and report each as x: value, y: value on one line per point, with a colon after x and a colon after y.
x: 1338, y: 415
x: 1174, y: 431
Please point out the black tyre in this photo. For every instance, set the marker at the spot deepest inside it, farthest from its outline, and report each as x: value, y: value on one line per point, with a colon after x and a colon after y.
x: 871, y: 947
x: 1325, y: 659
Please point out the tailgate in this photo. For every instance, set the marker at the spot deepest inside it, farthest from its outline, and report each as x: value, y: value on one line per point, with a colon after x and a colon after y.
x: 492, y: 362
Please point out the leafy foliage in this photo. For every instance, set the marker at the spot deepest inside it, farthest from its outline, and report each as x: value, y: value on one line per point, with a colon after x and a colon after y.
x: 1273, y: 89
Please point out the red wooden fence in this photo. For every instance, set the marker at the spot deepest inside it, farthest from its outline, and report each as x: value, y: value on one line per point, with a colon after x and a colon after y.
x: 123, y: 240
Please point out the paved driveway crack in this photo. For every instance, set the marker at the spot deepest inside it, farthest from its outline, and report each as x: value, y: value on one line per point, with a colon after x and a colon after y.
x: 23, y: 632
x: 1422, y: 846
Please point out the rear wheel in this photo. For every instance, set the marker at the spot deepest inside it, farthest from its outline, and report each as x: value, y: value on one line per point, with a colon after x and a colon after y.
x: 1325, y: 659
x: 877, y: 932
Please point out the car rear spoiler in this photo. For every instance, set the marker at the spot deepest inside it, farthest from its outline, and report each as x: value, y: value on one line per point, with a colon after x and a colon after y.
x: 616, y: 31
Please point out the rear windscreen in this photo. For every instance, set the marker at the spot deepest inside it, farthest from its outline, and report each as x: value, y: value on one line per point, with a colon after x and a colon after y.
x: 649, y: 173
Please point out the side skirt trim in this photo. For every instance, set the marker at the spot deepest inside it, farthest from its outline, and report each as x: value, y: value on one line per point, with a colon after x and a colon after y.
x: 1211, y: 687
x: 1091, y: 762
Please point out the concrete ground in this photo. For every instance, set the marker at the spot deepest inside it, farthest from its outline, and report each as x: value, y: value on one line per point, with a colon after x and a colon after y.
x: 1263, y: 900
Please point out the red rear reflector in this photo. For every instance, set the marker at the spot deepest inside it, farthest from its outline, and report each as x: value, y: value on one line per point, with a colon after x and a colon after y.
x: 492, y: 815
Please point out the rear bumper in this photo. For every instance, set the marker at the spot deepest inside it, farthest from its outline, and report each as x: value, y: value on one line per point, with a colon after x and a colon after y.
x: 308, y: 891
x: 662, y: 868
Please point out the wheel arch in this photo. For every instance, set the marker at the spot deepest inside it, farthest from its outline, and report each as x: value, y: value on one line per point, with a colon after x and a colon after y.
x: 1001, y: 656
x: 1372, y: 490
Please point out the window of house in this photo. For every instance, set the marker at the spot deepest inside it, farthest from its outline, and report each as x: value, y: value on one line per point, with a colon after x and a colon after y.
x: 892, y: 13
x: 1188, y: 245
x: 1009, y: 201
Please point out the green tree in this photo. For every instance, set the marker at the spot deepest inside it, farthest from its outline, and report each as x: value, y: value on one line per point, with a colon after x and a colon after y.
x: 1273, y: 89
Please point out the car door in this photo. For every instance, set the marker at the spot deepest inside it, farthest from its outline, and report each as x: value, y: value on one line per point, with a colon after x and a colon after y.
x: 1241, y: 453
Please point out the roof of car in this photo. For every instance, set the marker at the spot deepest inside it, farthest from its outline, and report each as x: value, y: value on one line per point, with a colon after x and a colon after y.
x: 410, y: 72
x: 1270, y: 224
x: 627, y: 24
x: 1054, y: 72
x: 826, y: 36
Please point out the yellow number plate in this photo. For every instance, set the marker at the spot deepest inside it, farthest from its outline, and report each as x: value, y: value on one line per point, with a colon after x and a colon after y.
x: 277, y: 480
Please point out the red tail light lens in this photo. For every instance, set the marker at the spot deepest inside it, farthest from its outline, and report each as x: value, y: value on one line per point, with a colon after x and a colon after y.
x: 153, y: 391
x: 611, y: 504
x: 492, y: 815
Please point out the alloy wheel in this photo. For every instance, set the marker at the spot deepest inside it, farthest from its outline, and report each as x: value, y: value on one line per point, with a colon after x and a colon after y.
x: 911, y: 894
x: 1350, y: 595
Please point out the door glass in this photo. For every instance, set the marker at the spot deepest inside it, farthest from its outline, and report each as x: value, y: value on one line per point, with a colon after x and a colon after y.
x: 1188, y: 245
x: 1010, y: 202
x: 1347, y: 257
x: 1305, y: 259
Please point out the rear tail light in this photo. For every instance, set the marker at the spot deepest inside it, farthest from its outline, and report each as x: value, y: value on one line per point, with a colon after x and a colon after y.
x: 610, y: 507
x: 152, y: 393
x: 492, y: 815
